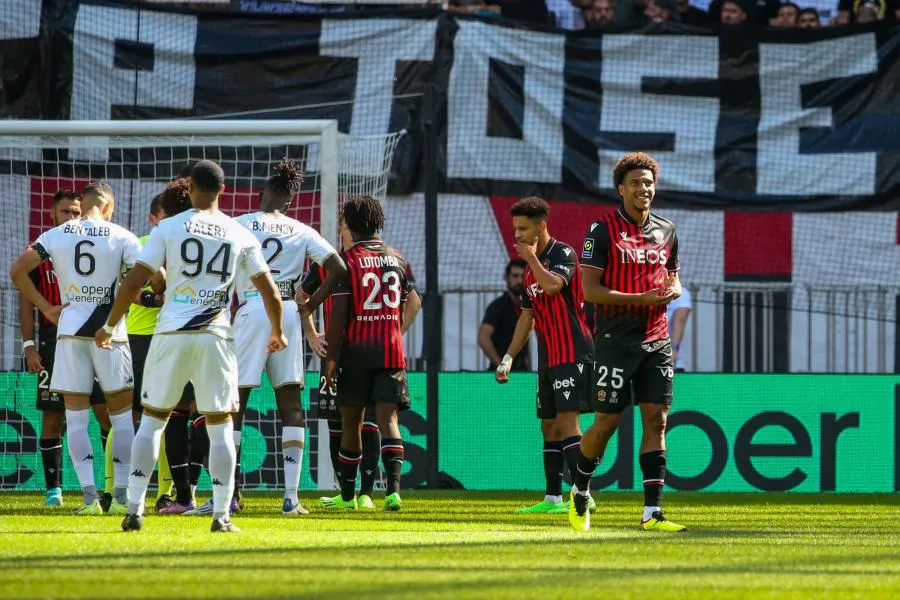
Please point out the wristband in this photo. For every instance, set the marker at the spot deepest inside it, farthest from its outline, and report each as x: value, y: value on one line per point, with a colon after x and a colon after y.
x: 27, y: 344
x: 109, y: 329
x: 676, y: 347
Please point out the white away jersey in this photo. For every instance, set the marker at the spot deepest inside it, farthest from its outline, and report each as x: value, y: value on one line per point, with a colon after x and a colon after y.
x: 89, y: 258
x: 286, y: 244
x: 203, y: 252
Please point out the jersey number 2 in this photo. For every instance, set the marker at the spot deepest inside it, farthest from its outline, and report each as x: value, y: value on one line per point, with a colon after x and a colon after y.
x: 390, y: 282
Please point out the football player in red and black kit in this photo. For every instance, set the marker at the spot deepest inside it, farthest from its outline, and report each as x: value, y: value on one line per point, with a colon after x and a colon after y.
x: 630, y: 260
x: 39, y: 359
x: 365, y: 338
x: 327, y: 397
x: 552, y: 304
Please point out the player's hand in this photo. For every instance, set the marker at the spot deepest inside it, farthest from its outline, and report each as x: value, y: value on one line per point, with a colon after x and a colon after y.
x: 671, y: 285
x: 526, y: 251
x: 502, y: 372
x: 53, y: 313
x: 329, y: 371
x: 319, y: 344
x: 33, y: 360
x: 277, y: 342
x: 103, y: 339
x: 657, y: 297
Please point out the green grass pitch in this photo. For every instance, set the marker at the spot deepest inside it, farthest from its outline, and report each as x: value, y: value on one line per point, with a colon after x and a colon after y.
x: 464, y: 545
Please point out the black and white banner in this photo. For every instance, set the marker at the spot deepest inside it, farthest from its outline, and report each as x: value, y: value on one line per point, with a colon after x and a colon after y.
x: 748, y: 120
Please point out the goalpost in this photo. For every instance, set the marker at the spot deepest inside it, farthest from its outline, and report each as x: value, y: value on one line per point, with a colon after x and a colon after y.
x: 138, y: 158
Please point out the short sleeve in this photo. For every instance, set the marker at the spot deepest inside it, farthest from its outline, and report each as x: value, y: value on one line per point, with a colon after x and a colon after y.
x: 253, y: 261
x: 313, y: 279
x: 318, y: 248
x: 595, y: 250
x: 673, y: 263
x: 525, y: 301
x: 685, y: 300
x: 343, y: 286
x: 492, y: 314
x: 44, y: 244
x: 410, y: 277
x: 132, y: 250
x: 153, y: 254
x: 405, y: 284
x: 562, y: 262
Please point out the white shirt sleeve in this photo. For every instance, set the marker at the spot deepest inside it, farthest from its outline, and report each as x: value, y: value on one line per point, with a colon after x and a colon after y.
x: 685, y: 300
x: 252, y: 260
x: 318, y: 248
x: 45, y: 241
x: 153, y: 254
x: 132, y: 250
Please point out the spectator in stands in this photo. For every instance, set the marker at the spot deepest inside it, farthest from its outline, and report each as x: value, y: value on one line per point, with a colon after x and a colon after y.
x: 568, y: 14
x: 661, y: 11
x: 732, y: 13
x: 677, y: 313
x: 788, y: 13
x: 499, y: 322
x: 600, y: 14
x: 690, y: 15
x: 866, y: 11
x: 808, y: 19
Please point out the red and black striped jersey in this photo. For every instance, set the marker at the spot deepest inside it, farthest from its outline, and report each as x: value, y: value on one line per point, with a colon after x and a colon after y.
x: 316, y: 275
x: 44, y: 279
x: 378, y: 287
x: 634, y: 259
x: 559, y: 320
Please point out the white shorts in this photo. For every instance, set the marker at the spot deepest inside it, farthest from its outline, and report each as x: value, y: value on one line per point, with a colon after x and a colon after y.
x: 251, y: 336
x: 78, y: 360
x: 204, y: 359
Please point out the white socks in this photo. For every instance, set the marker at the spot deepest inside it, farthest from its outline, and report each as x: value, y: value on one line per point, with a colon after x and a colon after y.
x: 80, y: 449
x: 553, y: 499
x: 648, y: 512
x: 144, y: 451
x: 292, y: 441
x: 222, y: 458
x: 122, y: 439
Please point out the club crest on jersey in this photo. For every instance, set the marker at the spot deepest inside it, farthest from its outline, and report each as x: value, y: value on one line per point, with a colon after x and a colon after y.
x: 657, y: 236
x: 587, y: 251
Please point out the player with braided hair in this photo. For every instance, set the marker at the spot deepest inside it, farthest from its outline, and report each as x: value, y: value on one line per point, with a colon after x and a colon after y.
x: 287, y: 244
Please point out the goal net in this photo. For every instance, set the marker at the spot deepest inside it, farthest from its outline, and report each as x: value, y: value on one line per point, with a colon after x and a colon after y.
x: 137, y: 159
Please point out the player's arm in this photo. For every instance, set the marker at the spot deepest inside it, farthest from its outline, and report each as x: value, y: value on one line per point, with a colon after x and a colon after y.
x: 337, y: 325
x: 485, y: 331
x: 26, y: 326
x: 524, y: 327
x: 551, y: 282
x: 271, y: 298
x: 132, y: 286
x: 29, y: 260
x: 411, y: 309
x: 335, y: 273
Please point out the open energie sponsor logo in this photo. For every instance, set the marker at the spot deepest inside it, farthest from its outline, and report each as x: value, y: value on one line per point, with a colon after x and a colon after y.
x: 96, y: 294
x: 187, y: 294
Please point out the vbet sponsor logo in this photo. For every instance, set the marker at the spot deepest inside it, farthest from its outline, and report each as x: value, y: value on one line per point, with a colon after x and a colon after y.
x: 96, y: 294
x: 187, y: 294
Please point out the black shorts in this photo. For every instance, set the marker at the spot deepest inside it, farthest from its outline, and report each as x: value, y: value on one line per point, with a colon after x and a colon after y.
x: 53, y: 401
x: 363, y: 387
x: 563, y: 388
x: 325, y: 401
x: 626, y: 373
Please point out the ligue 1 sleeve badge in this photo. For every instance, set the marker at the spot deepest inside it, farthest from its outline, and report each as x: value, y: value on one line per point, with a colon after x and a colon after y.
x: 587, y: 251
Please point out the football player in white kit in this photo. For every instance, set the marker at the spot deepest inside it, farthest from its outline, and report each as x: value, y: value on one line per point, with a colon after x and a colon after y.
x: 204, y: 251
x: 89, y: 257
x: 286, y: 244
